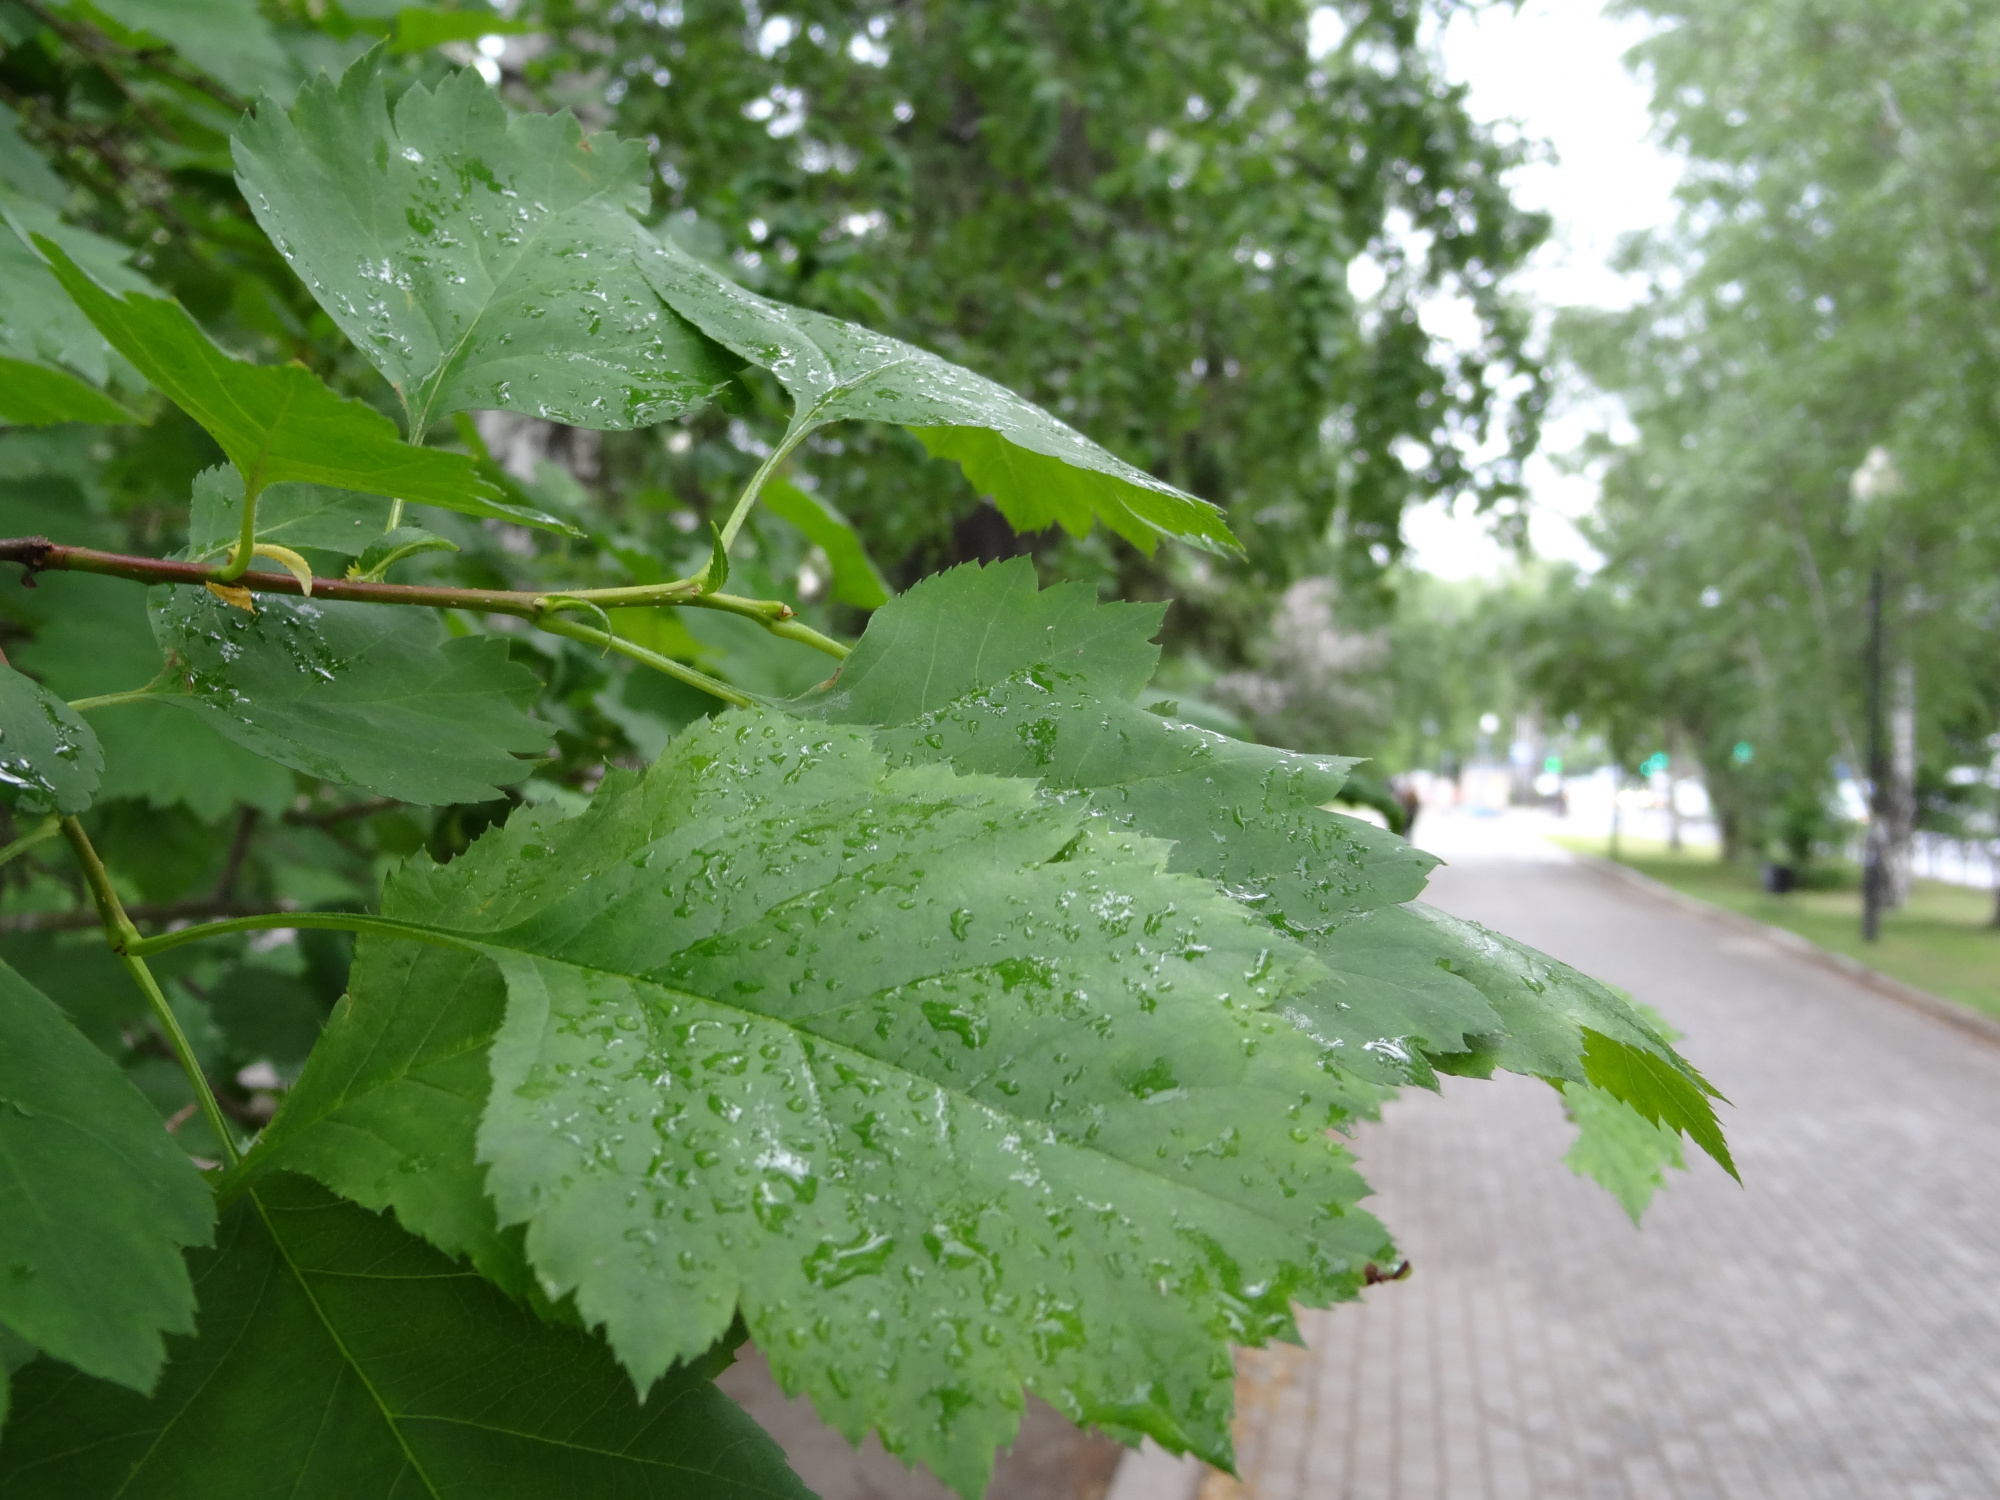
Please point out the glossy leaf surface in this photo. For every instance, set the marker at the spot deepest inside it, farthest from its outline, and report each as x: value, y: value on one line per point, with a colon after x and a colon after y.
x: 339, y: 1356
x: 958, y: 679
x: 152, y: 750
x: 787, y: 1030
x: 355, y: 694
x: 1039, y: 471
x: 49, y: 758
x: 96, y: 1201
x: 480, y: 260
x: 276, y: 422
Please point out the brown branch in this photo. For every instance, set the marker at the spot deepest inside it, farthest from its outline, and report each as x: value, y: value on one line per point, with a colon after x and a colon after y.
x: 239, y: 850
x: 366, y: 808
x: 38, y: 554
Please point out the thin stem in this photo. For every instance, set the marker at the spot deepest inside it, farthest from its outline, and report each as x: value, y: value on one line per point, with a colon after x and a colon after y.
x: 38, y: 554
x: 775, y: 616
x: 125, y: 942
x: 246, y: 541
x: 152, y: 689
x: 50, y: 827
x: 556, y: 625
x: 764, y: 471
x: 325, y: 921
x: 109, y: 700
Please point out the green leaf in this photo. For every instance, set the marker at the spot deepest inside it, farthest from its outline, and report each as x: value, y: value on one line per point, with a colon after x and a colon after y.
x: 1662, y: 1090
x: 33, y: 395
x: 977, y: 668
x: 290, y: 515
x: 955, y: 666
x: 972, y: 626
x: 338, y: 1356
x: 386, y: 1111
x: 510, y: 244
x: 359, y: 694
x: 95, y: 1200
x: 392, y: 547
x: 54, y: 366
x: 103, y: 644
x: 1038, y: 470
x: 227, y: 39
x: 1563, y: 1025
x: 49, y: 759
x: 856, y: 580
x: 22, y: 169
x: 276, y: 422
x: 1620, y: 1149
x: 420, y: 30
x: 814, y: 1034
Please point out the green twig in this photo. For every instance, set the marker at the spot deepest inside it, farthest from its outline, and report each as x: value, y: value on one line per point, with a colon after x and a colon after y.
x: 246, y: 543
x: 555, y: 625
x: 152, y: 689
x: 49, y: 828
x: 775, y: 616
x: 323, y: 921
x: 127, y: 944
x: 764, y: 471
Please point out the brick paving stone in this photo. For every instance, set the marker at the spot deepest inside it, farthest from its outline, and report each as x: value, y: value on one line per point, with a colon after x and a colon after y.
x: 1829, y: 1331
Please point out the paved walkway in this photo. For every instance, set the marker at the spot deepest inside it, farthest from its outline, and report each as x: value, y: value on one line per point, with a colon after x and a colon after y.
x: 1830, y: 1330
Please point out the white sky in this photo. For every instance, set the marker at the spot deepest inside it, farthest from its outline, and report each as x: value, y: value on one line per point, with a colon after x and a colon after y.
x: 1554, y: 68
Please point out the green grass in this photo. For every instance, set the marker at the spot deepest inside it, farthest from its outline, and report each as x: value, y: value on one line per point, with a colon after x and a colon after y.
x: 1940, y: 942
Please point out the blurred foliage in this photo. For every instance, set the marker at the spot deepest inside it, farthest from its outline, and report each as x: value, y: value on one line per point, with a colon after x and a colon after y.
x: 1828, y: 290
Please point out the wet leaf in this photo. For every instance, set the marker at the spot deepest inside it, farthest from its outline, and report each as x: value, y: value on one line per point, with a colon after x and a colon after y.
x: 481, y: 260
x: 911, y: 1067
x: 357, y: 694
x: 276, y: 422
x: 1039, y: 471
x: 337, y: 1355
x: 50, y: 760
x: 152, y: 750
x: 951, y: 673
x: 95, y: 1201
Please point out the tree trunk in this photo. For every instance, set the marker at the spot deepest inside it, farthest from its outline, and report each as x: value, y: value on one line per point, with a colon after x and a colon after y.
x: 1617, y: 775
x: 1673, y: 791
x: 1899, y: 804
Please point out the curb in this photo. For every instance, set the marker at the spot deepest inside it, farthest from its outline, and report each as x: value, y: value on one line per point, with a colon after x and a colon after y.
x: 1935, y: 1006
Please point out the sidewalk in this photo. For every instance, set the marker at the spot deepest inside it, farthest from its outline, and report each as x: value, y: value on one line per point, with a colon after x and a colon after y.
x: 1831, y: 1329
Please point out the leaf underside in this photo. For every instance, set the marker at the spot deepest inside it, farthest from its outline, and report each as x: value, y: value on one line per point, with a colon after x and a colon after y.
x: 363, y: 696
x: 1039, y: 471
x: 340, y: 1357
x: 290, y: 515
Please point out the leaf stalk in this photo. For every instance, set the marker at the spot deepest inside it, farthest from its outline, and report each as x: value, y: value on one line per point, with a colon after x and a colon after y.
x: 125, y: 941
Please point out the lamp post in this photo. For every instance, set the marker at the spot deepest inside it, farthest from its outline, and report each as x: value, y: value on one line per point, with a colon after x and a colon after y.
x: 1875, y: 479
